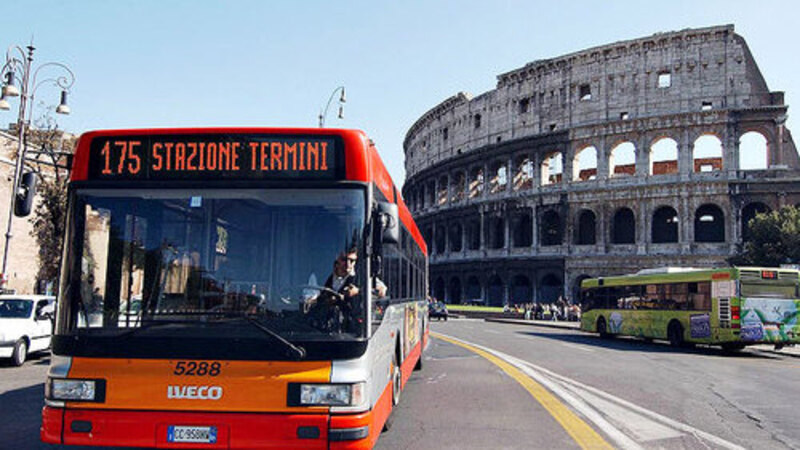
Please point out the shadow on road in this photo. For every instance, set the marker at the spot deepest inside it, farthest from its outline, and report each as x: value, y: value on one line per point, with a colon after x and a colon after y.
x: 20, y: 417
x: 39, y: 359
x: 631, y: 344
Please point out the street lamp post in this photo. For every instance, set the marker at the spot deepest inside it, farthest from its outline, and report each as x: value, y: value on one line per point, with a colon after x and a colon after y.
x: 324, y: 111
x: 17, y: 69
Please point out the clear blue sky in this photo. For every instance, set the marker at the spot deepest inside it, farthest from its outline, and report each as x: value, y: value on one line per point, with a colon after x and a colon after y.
x: 275, y: 63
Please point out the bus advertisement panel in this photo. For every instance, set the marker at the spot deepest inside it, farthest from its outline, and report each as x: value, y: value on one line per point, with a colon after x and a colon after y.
x: 731, y: 307
x: 226, y: 288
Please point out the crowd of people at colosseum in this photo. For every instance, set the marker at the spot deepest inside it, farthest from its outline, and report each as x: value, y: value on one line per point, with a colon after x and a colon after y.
x: 561, y: 309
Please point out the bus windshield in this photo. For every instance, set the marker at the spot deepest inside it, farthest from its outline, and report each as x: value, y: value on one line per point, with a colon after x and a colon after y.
x: 245, y: 263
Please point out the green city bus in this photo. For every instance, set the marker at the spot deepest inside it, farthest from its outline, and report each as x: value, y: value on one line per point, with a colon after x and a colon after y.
x: 732, y: 307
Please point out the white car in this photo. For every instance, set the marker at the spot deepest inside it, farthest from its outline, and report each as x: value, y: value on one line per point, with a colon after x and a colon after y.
x: 26, y: 325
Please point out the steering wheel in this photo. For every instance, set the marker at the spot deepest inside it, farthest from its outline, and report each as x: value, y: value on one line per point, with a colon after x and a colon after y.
x: 327, y: 290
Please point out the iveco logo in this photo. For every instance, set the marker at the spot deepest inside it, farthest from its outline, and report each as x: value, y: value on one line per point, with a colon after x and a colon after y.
x: 195, y: 392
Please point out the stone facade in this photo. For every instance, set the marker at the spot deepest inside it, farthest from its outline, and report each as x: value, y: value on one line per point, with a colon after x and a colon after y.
x: 631, y: 155
x: 23, y: 255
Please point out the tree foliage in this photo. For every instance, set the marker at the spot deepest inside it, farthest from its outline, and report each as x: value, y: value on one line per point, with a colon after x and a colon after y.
x: 774, y: 239
x: 47, y: 156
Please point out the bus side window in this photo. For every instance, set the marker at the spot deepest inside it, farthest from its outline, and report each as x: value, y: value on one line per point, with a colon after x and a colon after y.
x: 702, y: 299
x: 700, y: 296
x: 678, y: 292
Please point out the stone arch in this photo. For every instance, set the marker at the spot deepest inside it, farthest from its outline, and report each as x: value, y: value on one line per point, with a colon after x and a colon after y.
x: 552, y: 168
x: 521, y: 290
x: 576, y: 288
x: 522, y: 229
x: 476, y: 179
x: 458, y: 188
x: 427, y: 234
x: 473, y: 230
x: 664, y: 228
x: 454, y: 291
x: 495, y: 232
x: 438, y: 289
x: 707, y: 153
x: 523, y: 177
x: 709, y: 224
x: 586, y: 230
x: 455, y: 236
x: 497, y: 177
x: 495, y: 291
x: 664, y: 156
x: 441, y: 192
x: 748, y: 213
x: 472, y: 290
x: 623, y: 227
x: 584, y: 166
x: 753, y: 151
x: 550, y: 288
x: 622, y: 160
x: 440, y: 239
x: 552, y: 228
x: 430, y: 192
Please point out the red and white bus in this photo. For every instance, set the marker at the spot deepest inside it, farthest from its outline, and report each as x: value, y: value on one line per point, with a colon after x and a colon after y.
x: 233, y: 288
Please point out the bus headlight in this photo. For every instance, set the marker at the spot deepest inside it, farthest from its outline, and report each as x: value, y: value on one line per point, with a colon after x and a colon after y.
x: 330, y: 394
x: 75, y: 390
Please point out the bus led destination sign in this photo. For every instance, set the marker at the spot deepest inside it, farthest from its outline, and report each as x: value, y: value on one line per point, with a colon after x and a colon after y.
x: 240, y: 156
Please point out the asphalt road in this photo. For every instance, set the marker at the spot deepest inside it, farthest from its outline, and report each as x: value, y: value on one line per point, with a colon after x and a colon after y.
x: 634, y: 394
x: 535, y: 387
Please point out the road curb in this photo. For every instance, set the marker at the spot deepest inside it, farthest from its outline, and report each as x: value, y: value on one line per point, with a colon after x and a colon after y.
x: 538, y: 323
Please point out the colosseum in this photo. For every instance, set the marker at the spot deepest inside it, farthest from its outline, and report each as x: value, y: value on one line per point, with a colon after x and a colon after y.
x: 643, y: 153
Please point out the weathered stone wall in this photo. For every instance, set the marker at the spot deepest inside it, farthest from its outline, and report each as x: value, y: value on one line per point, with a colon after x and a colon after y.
x: 23, y: 256
x: 500, y: 186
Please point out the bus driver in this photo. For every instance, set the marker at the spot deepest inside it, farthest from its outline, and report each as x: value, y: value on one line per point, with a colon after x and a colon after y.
x: 338, y: 308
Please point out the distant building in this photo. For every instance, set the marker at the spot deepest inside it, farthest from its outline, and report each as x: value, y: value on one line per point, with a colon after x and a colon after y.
x: 23, y: 258
x: 637, y: 154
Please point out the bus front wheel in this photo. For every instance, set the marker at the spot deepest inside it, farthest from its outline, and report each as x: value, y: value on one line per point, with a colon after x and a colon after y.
x: 601, y: 328
x: 397, y: 385
x: 675, y: 334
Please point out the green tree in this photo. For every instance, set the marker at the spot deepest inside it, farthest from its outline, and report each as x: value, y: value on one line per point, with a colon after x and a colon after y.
x: 47, y: 155
x: 775, y: 239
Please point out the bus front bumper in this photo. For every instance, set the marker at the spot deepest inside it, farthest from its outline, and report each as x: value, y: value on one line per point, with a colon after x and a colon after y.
x: 233, y: 430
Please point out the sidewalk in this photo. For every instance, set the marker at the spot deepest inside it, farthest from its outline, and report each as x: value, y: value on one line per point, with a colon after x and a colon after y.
x: 786, y: 351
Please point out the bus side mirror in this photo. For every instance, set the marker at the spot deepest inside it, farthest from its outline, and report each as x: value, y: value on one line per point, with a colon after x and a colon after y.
x: 388, y: 219
x: 25, y: 194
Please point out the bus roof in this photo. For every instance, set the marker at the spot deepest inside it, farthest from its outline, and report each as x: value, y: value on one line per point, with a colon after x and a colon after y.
x: 361, y: 159
x: 689, y: 274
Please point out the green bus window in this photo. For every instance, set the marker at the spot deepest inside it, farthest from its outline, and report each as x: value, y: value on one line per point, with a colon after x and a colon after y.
x: 701, y: 300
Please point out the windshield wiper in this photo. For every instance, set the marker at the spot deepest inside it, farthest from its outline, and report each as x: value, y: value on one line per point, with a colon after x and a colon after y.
x: 292, y: 350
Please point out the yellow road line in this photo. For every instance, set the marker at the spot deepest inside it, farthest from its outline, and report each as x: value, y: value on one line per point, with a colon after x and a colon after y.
x: 580, y: 431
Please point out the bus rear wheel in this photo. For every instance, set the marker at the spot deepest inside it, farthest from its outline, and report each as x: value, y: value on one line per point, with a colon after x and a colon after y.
x: 675, y: 334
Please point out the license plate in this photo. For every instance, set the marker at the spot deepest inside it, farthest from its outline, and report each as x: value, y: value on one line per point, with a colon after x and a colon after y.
x: 203, y: 435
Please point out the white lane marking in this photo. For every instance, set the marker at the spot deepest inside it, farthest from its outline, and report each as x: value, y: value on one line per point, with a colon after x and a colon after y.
x: 492, y: 331
x: 579, y: 347
x: 641, y: 428
x: 619, y: 437
x: 646, y: 412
